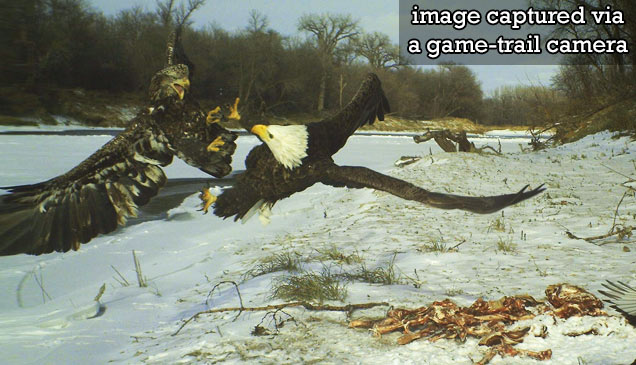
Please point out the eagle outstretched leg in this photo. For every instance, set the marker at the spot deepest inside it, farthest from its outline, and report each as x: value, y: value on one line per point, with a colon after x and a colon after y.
x: 207, y: 199
x: 215, y: 145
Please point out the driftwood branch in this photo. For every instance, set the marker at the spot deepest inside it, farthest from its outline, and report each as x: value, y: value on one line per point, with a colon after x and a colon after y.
x: 445, y: 139
x: 630, y: 179
x: 260, y: 330
x: 535, y: 140
x: 238, y: 292
x: 621, y: 232
x: 313, y: 307
x: 452, y: 142
x: 486, y: 147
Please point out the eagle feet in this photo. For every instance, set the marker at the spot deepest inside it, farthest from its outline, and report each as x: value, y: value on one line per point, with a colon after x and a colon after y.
x: 207, y: 199
x: 216, y: 115
x: 234, y: 114
x: 215, y: 145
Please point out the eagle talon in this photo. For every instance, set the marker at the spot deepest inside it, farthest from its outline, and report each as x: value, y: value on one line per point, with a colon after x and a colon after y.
x: 207, y: 199
x: 212, y: 118
x: 234, y: 114
x: 219, y: 114
x: 214, y: 146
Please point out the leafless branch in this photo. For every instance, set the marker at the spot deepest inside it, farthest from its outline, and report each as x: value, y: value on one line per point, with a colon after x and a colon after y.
x: 238, y: 292
x: 621, y: 232
x: 306, y: 305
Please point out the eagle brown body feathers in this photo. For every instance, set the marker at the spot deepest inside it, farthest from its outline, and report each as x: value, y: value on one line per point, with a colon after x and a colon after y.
x: 266, y: 181
x: 105, y: 189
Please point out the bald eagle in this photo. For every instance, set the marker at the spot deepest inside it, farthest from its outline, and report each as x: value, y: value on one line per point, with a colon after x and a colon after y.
x: 622, y: 296
x: 105, y: 189
x: 293, y: 158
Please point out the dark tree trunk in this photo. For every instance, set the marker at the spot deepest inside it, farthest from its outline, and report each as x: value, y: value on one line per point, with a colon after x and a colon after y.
x: 321, y: 91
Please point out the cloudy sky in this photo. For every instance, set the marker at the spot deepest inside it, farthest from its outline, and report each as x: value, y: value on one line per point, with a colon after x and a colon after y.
x: 373, y: 15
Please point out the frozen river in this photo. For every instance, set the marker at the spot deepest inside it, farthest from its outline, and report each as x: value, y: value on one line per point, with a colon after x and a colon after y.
x: 48, y: 315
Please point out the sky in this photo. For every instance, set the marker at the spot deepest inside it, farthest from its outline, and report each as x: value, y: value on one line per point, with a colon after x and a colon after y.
x: 373, y: 15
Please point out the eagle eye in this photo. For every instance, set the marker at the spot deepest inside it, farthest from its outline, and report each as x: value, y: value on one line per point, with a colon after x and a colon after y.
x: 271, y: 136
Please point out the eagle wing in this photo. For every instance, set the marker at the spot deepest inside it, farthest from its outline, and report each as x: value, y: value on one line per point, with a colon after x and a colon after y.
x: 194, y: 152
x: 328, y: 136
x: 622, y: 296
x: 362, y: 177
x: 91, y: 199
x: 261, y: 179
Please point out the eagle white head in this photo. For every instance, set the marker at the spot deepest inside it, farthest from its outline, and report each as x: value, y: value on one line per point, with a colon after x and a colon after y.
x: 288, y: 143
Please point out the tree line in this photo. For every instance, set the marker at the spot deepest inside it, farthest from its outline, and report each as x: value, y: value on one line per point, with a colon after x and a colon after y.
x: 586, y: 84
x: 56, y: 44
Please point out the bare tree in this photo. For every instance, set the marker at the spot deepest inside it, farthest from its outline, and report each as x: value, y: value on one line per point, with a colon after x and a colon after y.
x: 164, y: 11
x: 596, y: 82
x: 618, y: 61
x: 172, y: 15
x: 377, y: 49
x: 258, y: 22
x: 253, y: 55
x: 328, y: 30
x: 452, y: 90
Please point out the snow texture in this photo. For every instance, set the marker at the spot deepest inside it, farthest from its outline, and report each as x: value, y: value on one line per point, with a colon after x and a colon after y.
x: 521, y: 250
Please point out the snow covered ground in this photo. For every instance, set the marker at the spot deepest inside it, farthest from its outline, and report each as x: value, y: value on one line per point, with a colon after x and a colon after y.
x: 520, y: 251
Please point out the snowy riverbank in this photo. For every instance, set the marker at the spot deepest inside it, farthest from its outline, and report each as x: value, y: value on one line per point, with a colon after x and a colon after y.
x: 521, y: 251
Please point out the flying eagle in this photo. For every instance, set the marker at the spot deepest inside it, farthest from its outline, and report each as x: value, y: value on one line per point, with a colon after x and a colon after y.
x: 102, y: 191
x: 296, y: 157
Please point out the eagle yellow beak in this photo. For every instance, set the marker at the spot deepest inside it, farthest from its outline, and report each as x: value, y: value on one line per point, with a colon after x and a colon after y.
x: 181, y: 86
x: 261, y: 131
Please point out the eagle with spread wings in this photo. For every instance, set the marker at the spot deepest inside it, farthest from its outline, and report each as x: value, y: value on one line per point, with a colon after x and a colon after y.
x: 295, y: 157
x: 100, y: 193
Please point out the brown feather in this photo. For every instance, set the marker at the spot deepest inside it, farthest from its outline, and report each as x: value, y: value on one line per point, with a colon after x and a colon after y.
x: 101, y: 192
x: 362, y: 177
x: 369, y: 103
x: 266, y: 180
